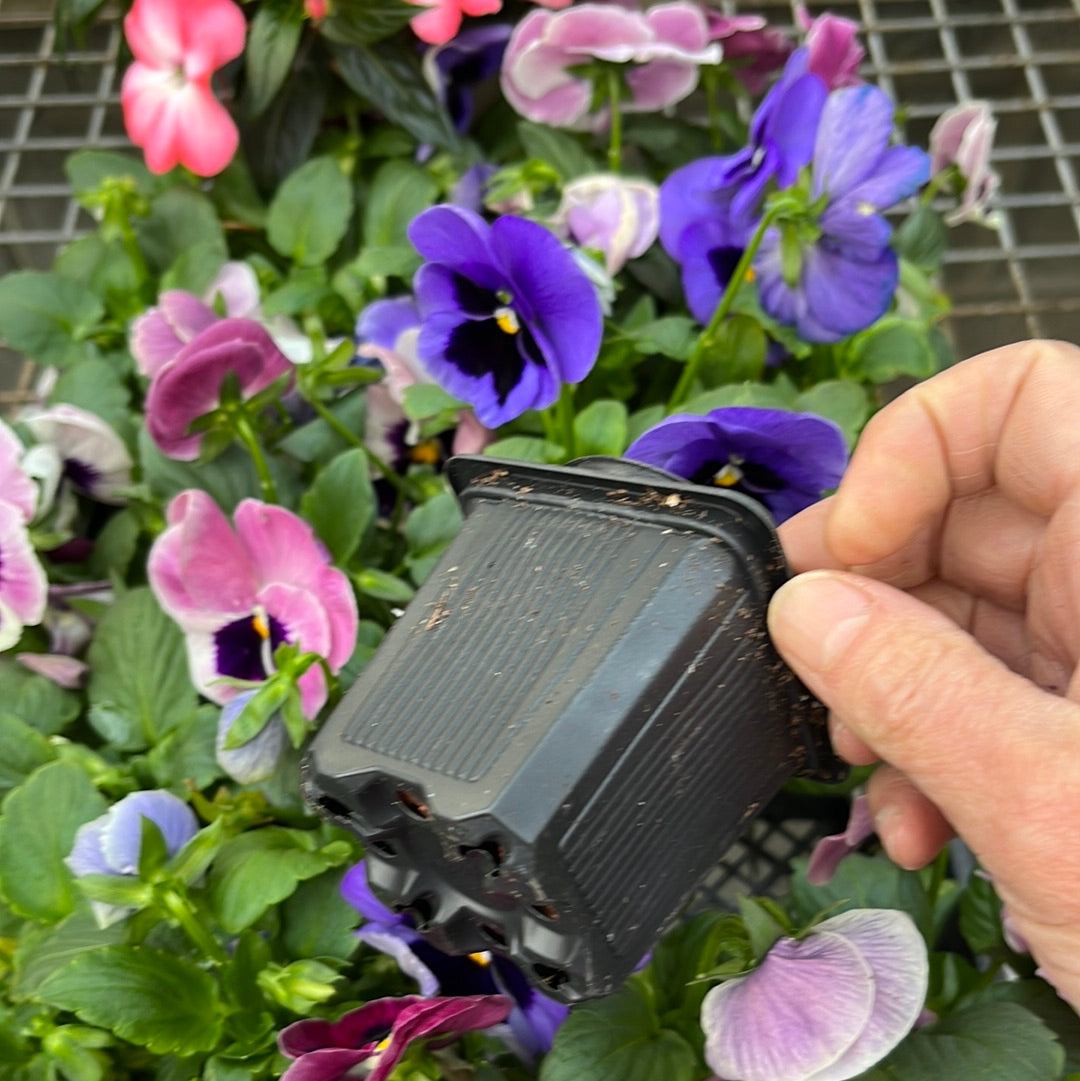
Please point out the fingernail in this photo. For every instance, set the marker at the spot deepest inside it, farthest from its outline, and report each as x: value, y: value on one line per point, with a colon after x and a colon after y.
x: 815, y: 617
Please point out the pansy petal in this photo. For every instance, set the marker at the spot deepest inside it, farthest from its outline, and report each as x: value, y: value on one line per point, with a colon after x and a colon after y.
x: 401, y: 950
x: 846, y: 295
x: 900, y: 172
x: 258, y: 758
x: 279, y: 545
x: 327, y: 1064
x: 455, y: 237
x: 830, y: 851
x: 855, y: 126
x: 237, y: 287
x: 159, y: 334
x: 87, y: 856
x: 64, y: 671
x: 23, y: 585
x: 16, y: 487
x: 121, y: 840
x: 778, y: 1023
x: 891, y: 944
x: 383, y: 321
x: 856, y: 230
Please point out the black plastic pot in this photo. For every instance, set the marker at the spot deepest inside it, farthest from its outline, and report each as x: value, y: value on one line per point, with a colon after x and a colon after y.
x: 574, y: 718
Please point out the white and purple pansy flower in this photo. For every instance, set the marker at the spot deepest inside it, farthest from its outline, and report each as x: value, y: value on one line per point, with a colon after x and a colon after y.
x: 112, y: 844
x: 824, y: 1007
x: 238, y: 594
x: 507, y: 315
x: 782, y: 459
x: 836, y: 273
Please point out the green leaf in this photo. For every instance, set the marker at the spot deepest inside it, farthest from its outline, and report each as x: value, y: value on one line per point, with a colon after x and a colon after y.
x: 310, y: 212
x: 383, y: 586
x: 893, y: 347
x: 194, y: 269
x: 683, y: 954
x: 48, y: 317
x: 273, y: 35
x: 736, y: 354
x: 863, y: 882
x: 22, y: 750
x: 391, y: 79
x: 1043, y: 1001
x: 759, y: 395
x: 87, y: 170
x: 44, y: 950
x: 601, y: 427
x: 428, y: 530
x: 399, y: 191
x: 980, y: 918
x: 36, y: 833
x: 998, y: 1041
x: 423, y: 400
x: 672, y: 336
x: 922, y: 239
x: 762, y: 927
x: 262, y: 867
x: 316, y: 441
x: 363, y: 22
x: 526, y: 448
x: 151, y: 998
x: 105, y: 268
x: 559, y: 149
x: 115, y: 545
x: 316, y: 921
x: 398, y: 260
x: 340, y: 504
x: 619, y: 1037
x: 98, y: 387
x: 179, y: 218
x: 839, y: 400
x: 641, y: 420
x: 139, y: 688
x: 186, y: 754
x: 36, y: 700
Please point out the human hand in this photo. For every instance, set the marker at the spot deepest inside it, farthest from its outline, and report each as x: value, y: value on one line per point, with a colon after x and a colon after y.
x: 941, y: 624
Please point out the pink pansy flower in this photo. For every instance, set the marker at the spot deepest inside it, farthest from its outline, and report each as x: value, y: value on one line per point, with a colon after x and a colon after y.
x: 16, y: 487
x: 189, y: 385
x: 753, y: 48
x: 835, y: 53
x: 368, y: 1042
x: 964, y: 136
x: 667, y: 44
x: 169, y: 109
x: 23, y: 586
x: 93, y: 456
x: 442, y: 18
x: 613, y: 215
x: 238, y: 594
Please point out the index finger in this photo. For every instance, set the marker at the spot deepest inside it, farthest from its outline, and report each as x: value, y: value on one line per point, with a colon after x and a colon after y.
x: 1004, y: 419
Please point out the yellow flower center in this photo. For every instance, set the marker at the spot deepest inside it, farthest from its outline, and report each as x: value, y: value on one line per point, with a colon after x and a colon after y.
x: 727, y: 476
x: 482, y: 958
x: 507, y: 320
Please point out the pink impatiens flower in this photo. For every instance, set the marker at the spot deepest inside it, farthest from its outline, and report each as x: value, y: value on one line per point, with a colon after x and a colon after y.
x: 665, y: 44
x: 442, y: 18
x: 238, y: 594
x: 368, y: 1042
x: 169, y: 109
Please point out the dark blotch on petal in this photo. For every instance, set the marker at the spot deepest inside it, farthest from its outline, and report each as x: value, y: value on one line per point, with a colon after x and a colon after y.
x: 239, y: 648
x: 482, y: 348
x: 83, y: 476
x: 474, y: 299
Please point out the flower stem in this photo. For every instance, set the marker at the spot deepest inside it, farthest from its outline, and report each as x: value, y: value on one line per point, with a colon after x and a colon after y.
x: 564, y: 411
x: 738, y: 276
x: 615, y: 145
x: 241, y: 426
x: 180, y: 910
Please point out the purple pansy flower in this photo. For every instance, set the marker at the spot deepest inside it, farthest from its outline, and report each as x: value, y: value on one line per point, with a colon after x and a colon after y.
x: 752, y: 48
x: 508, y: 317
x: 844, y: 278
x: 111, y: 844
x: 454, y: 68
x: 614, y: 215
x: 667, y: 44
x: 830, y: 851
x: 239, y: 594
x: 825, y: 1007
x: 93, y: 456
x: 707, y: 208
x: 531, y: 1024
x: 784, y: 460
x: 368, y: 1042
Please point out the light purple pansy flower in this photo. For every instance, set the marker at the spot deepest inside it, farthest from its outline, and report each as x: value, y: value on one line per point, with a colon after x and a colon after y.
x: 507, y: 315
x: 708, y: 208
x: 964, y: 136
x: 16, y: 487
x: 666, y: 44
x: 258, y: 758
x: 94, y: 458
x: 368, y: 1042
x: 845, y: 278
x: 752, y: 49
x: 833, y: 45
x: 830, y: 851
x: 614, y: 215
x: 784, y: 460
x: 237, y: 594
x: 825, y: 1007
x: 111, y: 844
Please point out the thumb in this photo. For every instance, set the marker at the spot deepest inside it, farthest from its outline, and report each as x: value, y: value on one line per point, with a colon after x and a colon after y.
x: 999, y: 756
